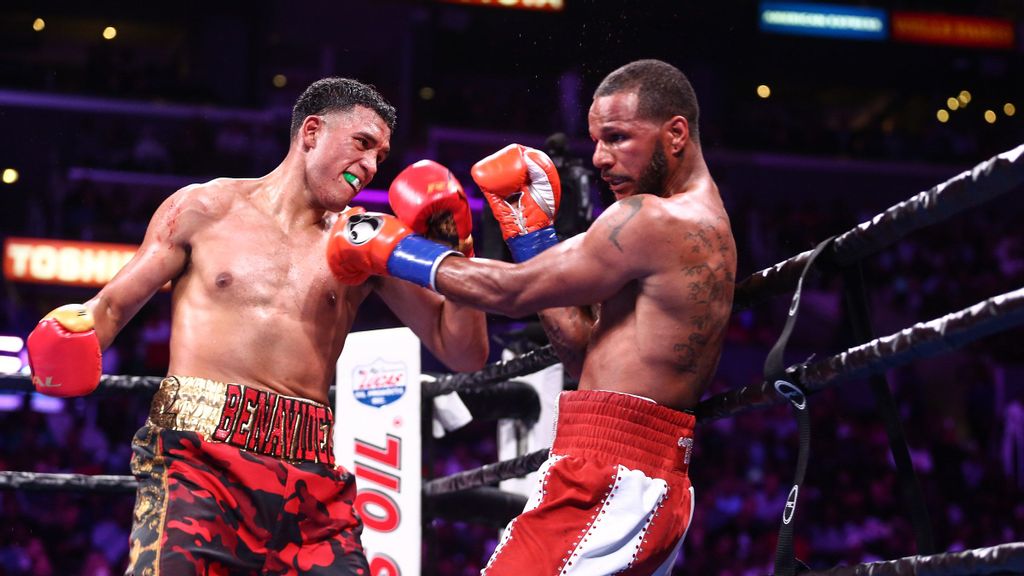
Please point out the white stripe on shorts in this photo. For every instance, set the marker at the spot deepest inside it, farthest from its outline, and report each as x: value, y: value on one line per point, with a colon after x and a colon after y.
x: 614, y: 539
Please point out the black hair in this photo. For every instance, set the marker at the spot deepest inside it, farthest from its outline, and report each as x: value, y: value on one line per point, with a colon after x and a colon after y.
x: 663, y: 91
x: 340, y: 94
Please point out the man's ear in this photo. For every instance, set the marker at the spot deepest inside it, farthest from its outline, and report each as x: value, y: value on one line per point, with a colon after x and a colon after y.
x: 310, y: 130
x: 677, y: 134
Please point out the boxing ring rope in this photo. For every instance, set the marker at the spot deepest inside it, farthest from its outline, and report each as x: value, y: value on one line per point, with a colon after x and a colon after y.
x: 1002, y: 559
x: 487, y: 474
x: 985, y: 181
x: 921, y: 340
x: 57, y: 481
x: 109, y: 383
x: 527, y: 363
x: 492, y: 374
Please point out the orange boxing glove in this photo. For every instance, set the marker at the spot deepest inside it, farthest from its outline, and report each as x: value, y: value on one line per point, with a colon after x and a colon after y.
x: 364, y: 243
x: 523, y: 190
x: 64, y: 352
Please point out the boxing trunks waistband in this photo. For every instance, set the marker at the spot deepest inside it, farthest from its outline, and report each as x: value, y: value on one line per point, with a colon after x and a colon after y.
x: 251, y: 419
x: 633, y: 430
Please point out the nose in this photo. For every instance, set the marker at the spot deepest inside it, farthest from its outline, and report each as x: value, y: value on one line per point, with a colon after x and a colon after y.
x: 601, y: 159
x: 369, y: 164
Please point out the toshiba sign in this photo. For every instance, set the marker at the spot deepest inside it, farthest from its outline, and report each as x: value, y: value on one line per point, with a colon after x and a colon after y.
x: 64, y: 261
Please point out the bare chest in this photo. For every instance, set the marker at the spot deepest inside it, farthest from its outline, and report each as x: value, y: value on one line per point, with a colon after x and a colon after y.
x: 256, y: 264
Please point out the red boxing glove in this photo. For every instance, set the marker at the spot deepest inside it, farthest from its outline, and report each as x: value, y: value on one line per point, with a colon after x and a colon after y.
x: 370, y: 243
x: 427, y: 197
x: 522, y: 187
x: 64, y: 353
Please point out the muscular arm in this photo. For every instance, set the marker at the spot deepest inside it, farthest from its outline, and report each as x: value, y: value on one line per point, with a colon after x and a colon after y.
x: 568, y: 329
x: 455, y: 334
x: 160, y: 259
x: 586, y: 269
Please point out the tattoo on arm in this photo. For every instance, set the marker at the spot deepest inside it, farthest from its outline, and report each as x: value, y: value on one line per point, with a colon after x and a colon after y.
x: 633, y: 203
x: 568, y: 331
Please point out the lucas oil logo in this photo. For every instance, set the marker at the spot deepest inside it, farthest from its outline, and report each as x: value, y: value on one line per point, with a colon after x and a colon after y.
x: 379, y: 383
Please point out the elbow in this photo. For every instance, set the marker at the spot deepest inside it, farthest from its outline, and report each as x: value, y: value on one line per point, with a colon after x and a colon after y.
x: 474, y: 355
x: 467, y: 348
x: 470, y: 360
x: 476, y: 359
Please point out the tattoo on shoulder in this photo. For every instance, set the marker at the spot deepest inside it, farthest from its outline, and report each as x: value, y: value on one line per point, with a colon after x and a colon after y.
x: 708, y: 285
x: 633, y: 203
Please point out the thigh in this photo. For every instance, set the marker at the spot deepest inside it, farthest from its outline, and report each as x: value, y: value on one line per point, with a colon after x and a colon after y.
x: 317, y: 530
x: 186, y: 518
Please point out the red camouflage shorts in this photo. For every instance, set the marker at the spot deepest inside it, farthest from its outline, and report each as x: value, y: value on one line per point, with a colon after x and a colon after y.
x: 237, y: 480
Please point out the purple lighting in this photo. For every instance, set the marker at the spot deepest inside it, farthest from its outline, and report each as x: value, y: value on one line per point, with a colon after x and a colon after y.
x: 379, y: 199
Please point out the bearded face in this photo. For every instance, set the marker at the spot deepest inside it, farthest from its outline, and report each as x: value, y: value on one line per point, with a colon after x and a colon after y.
x: 652, y: 179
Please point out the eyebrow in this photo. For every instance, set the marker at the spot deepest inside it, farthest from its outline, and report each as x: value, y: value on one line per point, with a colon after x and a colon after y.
x: 374, y: 141
x: 606, y: 129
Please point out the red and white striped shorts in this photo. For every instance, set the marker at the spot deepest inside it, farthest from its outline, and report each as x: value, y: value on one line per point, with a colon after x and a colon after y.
x: 614, y: 497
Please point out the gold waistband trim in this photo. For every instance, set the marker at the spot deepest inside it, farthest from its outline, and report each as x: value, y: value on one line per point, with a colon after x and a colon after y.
x: 249, y: 418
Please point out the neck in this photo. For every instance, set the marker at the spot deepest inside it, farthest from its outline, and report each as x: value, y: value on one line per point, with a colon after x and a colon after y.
x: 285, y: 195
x: 690, y: 171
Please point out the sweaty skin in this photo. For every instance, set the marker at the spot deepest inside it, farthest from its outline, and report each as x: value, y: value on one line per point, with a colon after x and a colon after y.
x: 253, y: 299
x: 660, y: 268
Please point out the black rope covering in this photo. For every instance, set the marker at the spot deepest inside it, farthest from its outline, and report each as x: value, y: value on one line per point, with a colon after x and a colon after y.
x: 486, y: 505
x: 512, y: 399
x: 1002, y: 559
x: 487, y: 474
x: 989, y: 179
x: 921, y: 340
x: 460, y: 481
x: 528, y: 363
x: 109, y: 383
x: 53, y: 481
